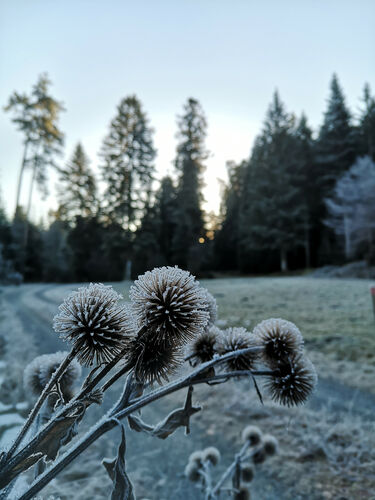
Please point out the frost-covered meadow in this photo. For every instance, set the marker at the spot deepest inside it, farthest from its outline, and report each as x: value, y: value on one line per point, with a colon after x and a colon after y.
x: 326, y: 447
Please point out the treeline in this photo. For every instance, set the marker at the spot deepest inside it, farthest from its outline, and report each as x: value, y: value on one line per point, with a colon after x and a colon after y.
x: 276, y: 210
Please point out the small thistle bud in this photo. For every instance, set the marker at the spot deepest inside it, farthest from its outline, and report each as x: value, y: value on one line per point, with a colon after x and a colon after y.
x: 212, y: 455
x: 270, y: 444
x: 170, y: 303
x: 247, y: 472
x: 38, y: 373
x: 280, y: 339
x: 203, y: 347
x: 153, y: 361
x: 252, y: 434
x: 94, y: 322
x: 196, y: 457
x: 242, y: 494
x: 192, y: 472
x: 259, y: 456
x: 211, y: 308
x: 293, y: 382
x: 235, y: 339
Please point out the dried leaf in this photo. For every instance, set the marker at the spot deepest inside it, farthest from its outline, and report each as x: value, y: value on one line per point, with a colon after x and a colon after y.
x: 27, y: 463
x: 177, y: 418
x: 122, y: 486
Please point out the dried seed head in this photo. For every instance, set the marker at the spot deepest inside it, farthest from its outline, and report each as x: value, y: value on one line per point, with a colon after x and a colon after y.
x: 171, y: 304
x: 212, y: 455
x: 38, y: 373
x: 293, y: 382
x: 242, y: 494
x: 153, y: 361
x: 234, y: 339
x: 280, y: 339
x: 247, y: 472
x: 259, y: 456
x: 211, y: 308
x: 253, y: 434
x: 94, y: 322
x: 270, y: 444
x: 203, y: 347
x: 192, y: 472
x: 196, y: 457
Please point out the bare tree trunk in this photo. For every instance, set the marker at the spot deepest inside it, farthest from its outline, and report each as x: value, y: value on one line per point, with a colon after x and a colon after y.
x: 283, y: 260
x: 20, y: 176
x: 26, y: 230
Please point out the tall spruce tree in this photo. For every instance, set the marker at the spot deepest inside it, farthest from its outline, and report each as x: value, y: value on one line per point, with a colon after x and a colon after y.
x: 166, y: 209
x: 76, y: 191
x: 272, y: 207
x: 128, y: 157
x: 189, y: 163
x: 336, y: 146
x: 367, y: 123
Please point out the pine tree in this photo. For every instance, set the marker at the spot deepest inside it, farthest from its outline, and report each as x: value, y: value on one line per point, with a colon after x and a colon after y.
x: 272, y: 208
x: 128, y: 164
x: 77, y: 192
x: 189, y: 163
x: 367, y: 123
x: 166, y: 209
x: 336, y: 146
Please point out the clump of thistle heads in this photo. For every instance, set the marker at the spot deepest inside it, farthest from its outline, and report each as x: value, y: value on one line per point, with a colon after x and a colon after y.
x: 256, y: 449
x: 169, y: 311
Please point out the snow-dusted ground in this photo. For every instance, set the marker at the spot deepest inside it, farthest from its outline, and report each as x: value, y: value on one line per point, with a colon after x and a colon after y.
x: 326, y: 448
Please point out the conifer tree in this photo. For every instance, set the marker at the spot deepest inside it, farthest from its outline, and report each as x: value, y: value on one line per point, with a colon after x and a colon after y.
x: 336, y: 146
x: 165, y: 209
x: 189, y: 163
x: 77, y: 192
x: 128, y: 164
x: 272, y: 208
x: 367, y: 123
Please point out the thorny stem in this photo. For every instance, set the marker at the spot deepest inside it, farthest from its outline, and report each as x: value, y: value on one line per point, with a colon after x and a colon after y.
x: 53, y: 380
x: 229, y: 471
x: 207, y: 479
x: 111, y: 419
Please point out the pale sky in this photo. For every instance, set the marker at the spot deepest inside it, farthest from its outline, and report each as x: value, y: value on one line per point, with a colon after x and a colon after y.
x: 230, y: 55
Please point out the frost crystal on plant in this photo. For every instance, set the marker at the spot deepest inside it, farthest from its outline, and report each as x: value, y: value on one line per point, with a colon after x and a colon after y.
x: 170, y: 303
x: 293, y: 381
x: 235, y: 339
x: 211, y: 308
x: 38, y: 373
x: 94, y: 322
x: 280, y: 339
x: 203, y: 347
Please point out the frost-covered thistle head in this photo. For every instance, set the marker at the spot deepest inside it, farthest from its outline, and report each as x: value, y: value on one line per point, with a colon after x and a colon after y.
x: 247, y: 472
x: 211, y: 308
x: 252, y: 434
x: 93, y: 320
x: 170, y: 303
x: 242, y: 494
x: 203, y: 347
x: 293, y: 382
x: 235, y: 339
x: 38, y: 373
x: 153, y: 361
x: 279, y: 337
x: 270, y: 444
x: 211, y: 454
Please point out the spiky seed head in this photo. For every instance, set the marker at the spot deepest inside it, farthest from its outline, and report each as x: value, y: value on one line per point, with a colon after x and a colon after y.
x: 211, y: 454
x: 192, y: 472
x: 211, y: 308
x: 294, y: 380
x: 170, y: 303
x: 38, y: 373
x: 242, y: 494
x: 196, y: 457
x: 280, y: 339
x: 252, y: 434
x: 270, y: 444
x: 96, y: 324
x: 259, y: 456
x: 203, y: 347
x: 234, y: 339
x: 153, y: 361
x: 247, y: 472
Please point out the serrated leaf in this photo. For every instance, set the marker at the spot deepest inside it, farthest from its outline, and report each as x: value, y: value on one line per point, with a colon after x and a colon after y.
x: 122, y: 486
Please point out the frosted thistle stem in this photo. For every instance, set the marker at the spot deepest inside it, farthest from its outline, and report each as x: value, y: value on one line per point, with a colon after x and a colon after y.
x: 34, y: 412
x: 228, y: 472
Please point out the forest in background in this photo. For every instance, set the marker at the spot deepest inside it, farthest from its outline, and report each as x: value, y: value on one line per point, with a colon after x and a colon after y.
x: 303, y: 199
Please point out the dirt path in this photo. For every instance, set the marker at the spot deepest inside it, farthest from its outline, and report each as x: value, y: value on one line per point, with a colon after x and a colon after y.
x: 152, y: 463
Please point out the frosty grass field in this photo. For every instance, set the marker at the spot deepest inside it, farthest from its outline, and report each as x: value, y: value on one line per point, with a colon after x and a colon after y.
x: 326, y: 448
